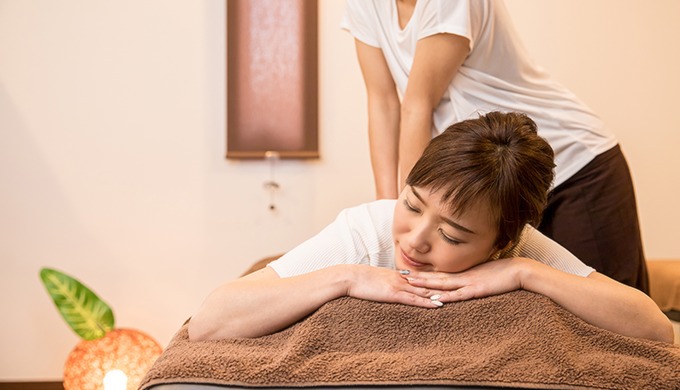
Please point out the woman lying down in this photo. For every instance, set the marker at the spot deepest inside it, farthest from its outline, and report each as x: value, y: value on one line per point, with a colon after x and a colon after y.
x: 461, y: 229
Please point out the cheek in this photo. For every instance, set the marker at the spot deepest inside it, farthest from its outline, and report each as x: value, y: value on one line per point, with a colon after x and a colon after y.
x: 460, y: 258
x: 399, y: 223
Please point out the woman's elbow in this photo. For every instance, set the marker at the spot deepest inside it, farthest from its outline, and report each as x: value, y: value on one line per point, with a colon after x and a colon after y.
x: 198, y: 329
x: 659, y: 328
x: 205, y: 326
x: 201, y: 328
x: 665, y: 332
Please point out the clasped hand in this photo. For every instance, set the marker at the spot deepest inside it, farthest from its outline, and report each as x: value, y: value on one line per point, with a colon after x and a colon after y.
x: 423, y: 288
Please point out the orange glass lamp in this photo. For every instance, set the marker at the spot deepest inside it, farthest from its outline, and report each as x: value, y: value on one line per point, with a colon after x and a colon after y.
x: 107, y: 358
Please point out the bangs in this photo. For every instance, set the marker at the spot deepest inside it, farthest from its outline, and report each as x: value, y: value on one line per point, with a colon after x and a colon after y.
x: 462, y: 182
x: 497, y: 161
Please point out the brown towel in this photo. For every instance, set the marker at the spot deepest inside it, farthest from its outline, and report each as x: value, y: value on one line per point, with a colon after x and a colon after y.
x: 519, y: 339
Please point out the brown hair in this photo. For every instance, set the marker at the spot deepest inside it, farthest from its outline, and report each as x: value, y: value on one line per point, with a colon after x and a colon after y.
x: 497, y: 158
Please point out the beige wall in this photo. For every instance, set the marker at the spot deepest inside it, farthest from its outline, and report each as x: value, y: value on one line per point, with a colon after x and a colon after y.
x: 112, y: 136
x: 622, y: 58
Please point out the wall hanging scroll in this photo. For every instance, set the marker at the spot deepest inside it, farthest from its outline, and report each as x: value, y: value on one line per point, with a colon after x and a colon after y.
x: 272, y: 77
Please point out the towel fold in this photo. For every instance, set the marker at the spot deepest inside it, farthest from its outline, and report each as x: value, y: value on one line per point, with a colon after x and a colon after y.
x: 519, y: 339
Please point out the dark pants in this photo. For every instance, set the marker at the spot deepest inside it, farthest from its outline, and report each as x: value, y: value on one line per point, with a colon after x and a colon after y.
x: 594, y: 215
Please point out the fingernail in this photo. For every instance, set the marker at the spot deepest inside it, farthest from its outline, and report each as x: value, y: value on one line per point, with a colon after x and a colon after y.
x: 410, y: 279
x: 404, y: 272
x: 437, y: 303
x: 435, y: 297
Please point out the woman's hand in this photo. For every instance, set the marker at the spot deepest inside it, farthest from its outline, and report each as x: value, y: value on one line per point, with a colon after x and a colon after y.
x: 385, y: 285
x: 490, y: 278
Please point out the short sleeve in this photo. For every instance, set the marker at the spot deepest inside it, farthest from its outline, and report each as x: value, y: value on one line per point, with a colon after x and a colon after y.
x: 445, y: 16
x: 361, y: 19
x: 534, y: 245
x: 359, y: 235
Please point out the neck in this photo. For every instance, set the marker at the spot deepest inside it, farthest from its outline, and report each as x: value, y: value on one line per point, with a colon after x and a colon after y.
x: 405, y: 10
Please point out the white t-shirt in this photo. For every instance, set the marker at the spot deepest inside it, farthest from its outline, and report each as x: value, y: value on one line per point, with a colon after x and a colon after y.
x: 497, y: 75
x: 363, y: 235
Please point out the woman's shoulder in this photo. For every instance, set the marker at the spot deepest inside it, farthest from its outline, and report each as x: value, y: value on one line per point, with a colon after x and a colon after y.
x: 537, y: 246
x: 377, y: 209
x: 371, y: 221
x: 530, y: 234
x: 528, y: 241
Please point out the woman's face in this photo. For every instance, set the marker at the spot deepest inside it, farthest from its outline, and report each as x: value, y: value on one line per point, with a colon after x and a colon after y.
x: 428, y: 238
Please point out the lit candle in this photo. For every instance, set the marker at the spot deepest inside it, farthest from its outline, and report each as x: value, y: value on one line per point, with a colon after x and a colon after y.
x: 115, y: 380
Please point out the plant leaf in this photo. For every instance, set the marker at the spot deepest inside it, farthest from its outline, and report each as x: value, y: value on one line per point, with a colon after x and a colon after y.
x: 88, y: 316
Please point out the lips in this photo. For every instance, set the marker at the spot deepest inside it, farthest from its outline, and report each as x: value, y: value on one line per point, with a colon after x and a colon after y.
x: 410, y: 262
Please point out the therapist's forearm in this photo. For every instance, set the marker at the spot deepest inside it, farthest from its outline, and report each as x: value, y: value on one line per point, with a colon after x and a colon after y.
x: 416, y: 133
x: 383, y: 132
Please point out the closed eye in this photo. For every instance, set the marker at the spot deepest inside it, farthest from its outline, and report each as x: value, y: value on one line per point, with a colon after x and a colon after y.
x: 449, y: 239
x: 410, y: 207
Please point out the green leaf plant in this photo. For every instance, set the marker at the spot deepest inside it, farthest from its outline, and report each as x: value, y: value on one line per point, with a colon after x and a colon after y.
x: 88, y: 316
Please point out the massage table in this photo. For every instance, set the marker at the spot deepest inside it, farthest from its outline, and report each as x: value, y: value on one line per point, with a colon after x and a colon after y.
x: 518, y: 340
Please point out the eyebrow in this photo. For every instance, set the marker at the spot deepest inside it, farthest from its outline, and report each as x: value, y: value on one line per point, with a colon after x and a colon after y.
x: 447, y: 220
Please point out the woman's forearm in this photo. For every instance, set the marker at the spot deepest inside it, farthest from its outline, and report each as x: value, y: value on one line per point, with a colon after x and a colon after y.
x: 254, y: 306
x: 599, y: 301
x: 262, y: 303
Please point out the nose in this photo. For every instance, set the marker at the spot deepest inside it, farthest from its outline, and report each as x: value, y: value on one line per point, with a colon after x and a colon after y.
x: 418, y: 238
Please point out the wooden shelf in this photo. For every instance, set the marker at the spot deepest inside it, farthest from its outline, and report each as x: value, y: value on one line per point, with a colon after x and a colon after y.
x: 31, y: 386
